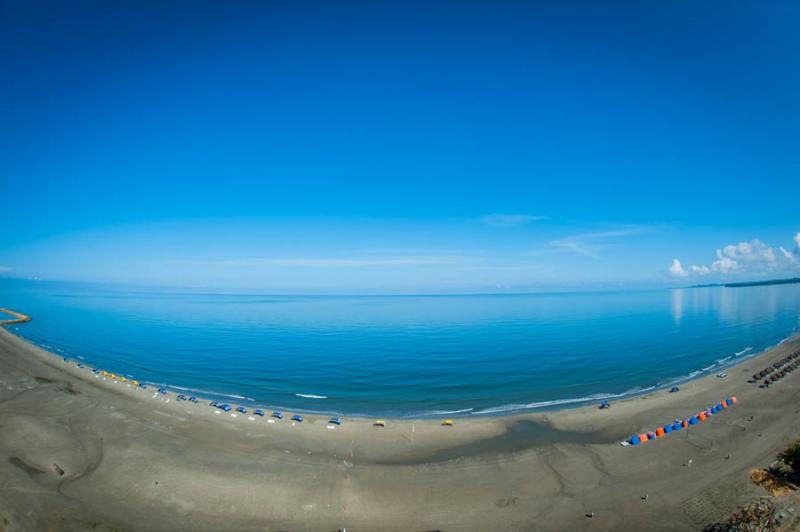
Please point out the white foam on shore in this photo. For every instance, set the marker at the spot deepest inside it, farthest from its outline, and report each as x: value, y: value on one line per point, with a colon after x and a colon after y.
x: 310, y: 396
x: 447, y: 412
x: 743, y: 351
x: 208, y: 393
x: 559, y: 402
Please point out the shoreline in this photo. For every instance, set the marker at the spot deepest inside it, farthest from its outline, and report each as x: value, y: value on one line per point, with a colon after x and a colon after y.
x: 542, y: 407
x: 131, y: 459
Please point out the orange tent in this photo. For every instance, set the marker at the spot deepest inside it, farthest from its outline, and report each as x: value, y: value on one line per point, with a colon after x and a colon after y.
x: 659, y: 432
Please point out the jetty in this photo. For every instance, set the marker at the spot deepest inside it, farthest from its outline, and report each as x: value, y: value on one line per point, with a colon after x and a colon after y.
x: 18, y: 317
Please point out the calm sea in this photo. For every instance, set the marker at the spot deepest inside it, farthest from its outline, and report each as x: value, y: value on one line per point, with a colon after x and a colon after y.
x: 406, y: 355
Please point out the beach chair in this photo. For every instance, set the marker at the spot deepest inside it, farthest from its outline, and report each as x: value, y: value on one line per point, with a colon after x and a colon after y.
x: 258, y: 412
x: 448, y: 423
x: 379, y: 423
x: 298, y: 418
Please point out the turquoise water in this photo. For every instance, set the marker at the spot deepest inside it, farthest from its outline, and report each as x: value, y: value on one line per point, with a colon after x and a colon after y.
x: 406, y: 355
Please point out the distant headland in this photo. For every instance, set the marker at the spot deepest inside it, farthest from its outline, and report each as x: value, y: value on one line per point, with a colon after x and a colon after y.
x: 793, y: 280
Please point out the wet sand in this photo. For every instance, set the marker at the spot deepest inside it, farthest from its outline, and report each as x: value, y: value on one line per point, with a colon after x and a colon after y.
x: 80, y: 452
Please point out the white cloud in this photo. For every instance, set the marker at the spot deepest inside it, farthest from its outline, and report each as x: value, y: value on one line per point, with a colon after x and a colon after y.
x: 326, y: 262
x: 510, y: 220
x: 797, y: 241
x: 724, y: 265
x: 4, y: 269
x: 752, y: 251
x: 587, y: 244
x: 677, y: 269
x: 751, y: 258
x: 357, y: 262
x: 573, y: 245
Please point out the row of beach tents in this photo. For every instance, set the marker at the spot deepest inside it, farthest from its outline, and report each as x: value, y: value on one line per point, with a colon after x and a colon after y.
x: 681, y: 424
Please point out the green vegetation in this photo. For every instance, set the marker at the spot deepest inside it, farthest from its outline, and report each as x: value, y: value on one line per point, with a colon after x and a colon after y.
x: 791, y: 456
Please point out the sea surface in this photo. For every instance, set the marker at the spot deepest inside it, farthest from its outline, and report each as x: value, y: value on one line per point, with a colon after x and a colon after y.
x: 406, y: 356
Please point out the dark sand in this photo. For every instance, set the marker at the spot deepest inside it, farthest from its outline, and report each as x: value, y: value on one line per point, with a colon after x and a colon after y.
x: 84, y: 453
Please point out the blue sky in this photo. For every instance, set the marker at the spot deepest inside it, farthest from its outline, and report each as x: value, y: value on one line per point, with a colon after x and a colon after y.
x: 338, y: 147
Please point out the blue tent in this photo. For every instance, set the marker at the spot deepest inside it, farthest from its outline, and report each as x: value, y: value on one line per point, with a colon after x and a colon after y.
x: 693, y: 420
x: 635, y: 440
x: 667, y: 429
x: 677, y: 426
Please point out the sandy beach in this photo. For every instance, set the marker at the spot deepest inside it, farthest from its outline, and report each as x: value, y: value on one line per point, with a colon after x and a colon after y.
x: 84, y: 452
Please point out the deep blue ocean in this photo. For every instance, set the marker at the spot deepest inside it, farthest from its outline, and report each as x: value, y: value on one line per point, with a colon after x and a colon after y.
x: 406, y: 355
